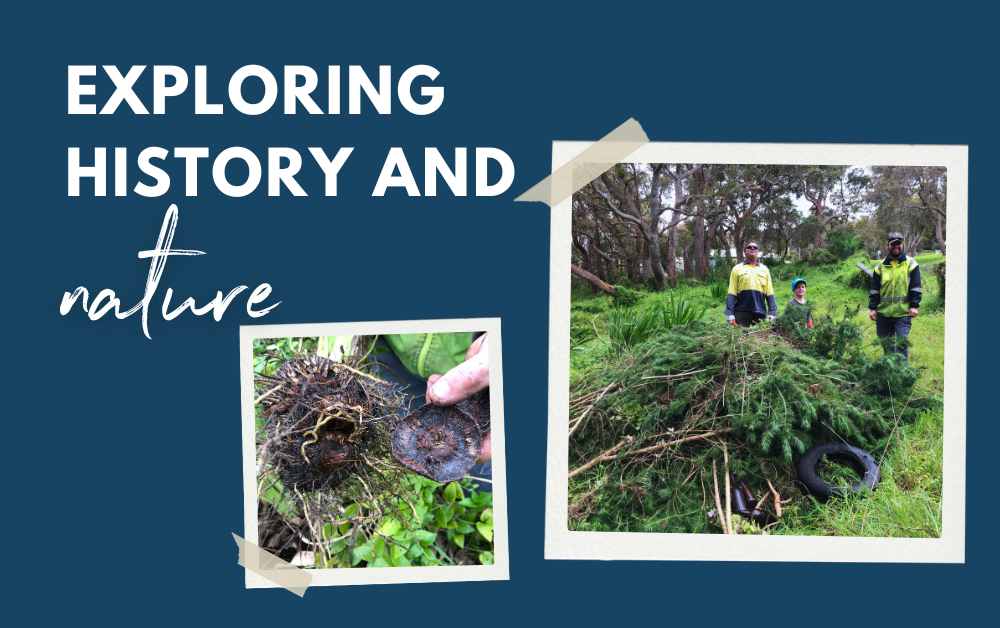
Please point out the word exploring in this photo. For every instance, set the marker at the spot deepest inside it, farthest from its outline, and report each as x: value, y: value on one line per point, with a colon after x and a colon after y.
x: 295, y: 93
x: 106, y: 299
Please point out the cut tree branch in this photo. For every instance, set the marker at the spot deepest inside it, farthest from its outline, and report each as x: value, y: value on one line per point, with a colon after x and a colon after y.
x: 582, y: 274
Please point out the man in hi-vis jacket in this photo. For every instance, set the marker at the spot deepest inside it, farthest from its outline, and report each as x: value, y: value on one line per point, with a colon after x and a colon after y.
x: 751, y: 295
x: 895, y: 294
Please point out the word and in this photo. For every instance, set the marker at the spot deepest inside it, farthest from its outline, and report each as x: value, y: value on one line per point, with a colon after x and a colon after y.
x: 106, y: 299
x: 282, y: 166
x: 294, y: 94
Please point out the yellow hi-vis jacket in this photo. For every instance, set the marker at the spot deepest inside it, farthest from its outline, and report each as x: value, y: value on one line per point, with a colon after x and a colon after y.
x: 895, y: 287
x: 750, y: 290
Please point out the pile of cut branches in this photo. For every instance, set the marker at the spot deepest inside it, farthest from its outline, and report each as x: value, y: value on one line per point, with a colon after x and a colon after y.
x: 646, y: 428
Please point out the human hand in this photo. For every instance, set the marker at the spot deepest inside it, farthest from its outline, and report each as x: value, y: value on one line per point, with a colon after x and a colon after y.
x: 871, y: 314
x: 730, y: 320
x: 771, y: 317
x: 913, y: 312
x: 462, y: 382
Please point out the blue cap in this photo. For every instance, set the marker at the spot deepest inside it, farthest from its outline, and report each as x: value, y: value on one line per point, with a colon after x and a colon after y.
x: 797, y: 280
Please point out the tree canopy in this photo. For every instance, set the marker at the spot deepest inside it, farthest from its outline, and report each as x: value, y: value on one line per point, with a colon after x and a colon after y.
x: 636, y: 222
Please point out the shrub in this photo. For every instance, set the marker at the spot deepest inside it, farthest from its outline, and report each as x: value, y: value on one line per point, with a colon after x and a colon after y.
x: 581, y: 330
x: 842, y: 244
x: 938, y: 271
x: 451, y: 515
x: 718, y: 290
x: 626, y: 297
x: 594, y: 306
x: 677, y: 313
x: 859, y: 279
x: 796, y: 268
x: 822, y: 257
x: 626, y: 328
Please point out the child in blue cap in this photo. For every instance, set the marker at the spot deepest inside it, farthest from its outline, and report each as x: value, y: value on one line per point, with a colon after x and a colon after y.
x: 798, y: 306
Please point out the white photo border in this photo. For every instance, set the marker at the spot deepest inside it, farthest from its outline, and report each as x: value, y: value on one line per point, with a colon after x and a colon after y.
x: 561, y: 543
x: 500, y: 569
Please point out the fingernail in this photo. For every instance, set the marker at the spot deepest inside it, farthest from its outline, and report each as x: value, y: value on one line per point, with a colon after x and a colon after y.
x: 442, y: 390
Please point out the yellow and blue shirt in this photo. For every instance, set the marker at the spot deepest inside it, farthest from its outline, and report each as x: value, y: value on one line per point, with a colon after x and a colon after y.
x: 750, y: 290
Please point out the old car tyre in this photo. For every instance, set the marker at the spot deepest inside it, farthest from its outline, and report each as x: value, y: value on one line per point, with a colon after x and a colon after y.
x: 863, y: 463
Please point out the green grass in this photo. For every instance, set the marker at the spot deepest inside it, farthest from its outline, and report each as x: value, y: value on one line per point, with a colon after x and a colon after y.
x: 674, y: 495
x: 906, y: 504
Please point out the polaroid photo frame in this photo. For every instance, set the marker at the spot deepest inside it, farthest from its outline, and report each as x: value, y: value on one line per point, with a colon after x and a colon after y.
x: 500, y: 570
x: 561, y: 543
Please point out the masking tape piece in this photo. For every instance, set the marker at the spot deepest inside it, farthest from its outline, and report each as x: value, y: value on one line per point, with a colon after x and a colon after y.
x: 588, y: 165
x: 266, y: 564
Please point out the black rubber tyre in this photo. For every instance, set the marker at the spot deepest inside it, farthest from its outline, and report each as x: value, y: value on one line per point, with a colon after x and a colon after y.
x: 863, y: 463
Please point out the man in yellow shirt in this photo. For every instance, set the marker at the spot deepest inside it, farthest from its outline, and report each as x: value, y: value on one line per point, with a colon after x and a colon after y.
x: 751, y: 295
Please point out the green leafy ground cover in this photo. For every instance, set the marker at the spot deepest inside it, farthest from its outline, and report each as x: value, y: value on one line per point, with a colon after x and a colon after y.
x: 779, y: 389
x: 427, y: 523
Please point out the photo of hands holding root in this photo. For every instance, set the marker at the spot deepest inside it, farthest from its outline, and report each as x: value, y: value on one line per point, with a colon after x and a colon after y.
x: 709, y: 394
x: 374, y: 451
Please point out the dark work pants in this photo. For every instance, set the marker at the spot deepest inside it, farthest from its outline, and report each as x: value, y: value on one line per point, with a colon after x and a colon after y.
x: 887, y: 326
x: 415, y: 390
x: 746, y: 319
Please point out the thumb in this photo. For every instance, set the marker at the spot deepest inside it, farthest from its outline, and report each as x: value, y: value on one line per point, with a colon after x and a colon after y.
x: 463, y: 381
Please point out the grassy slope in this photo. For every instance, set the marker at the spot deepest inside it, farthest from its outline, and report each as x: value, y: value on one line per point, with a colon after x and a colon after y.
x: 908, y: 501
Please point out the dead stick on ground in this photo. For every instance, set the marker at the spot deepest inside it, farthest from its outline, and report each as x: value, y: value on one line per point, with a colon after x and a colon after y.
x: 777, y: 500
x: 718, y: 506
x: 673, y: 376
x: 581, y: 399
x: 579, y: 421
x: 729, y: 516
x: 645, y: 450
x: 610, y: 454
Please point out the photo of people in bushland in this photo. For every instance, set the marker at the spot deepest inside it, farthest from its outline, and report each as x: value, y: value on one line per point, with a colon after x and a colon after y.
x: 758, y: 349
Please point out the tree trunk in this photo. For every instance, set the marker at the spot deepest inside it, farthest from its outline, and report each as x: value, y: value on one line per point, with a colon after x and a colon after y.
x: 738, y: 240
x: 584, y: 256
x: 710, y: 236
x: 672, y: 256
x: 609, y: 260
x: 596, y: 266
x: 721, y: 235
x: 653, y: 248
x: 647, y: 266
x: 594, y: 281
x: 938, y: 234
x: 688, y: 271
x: 700, y: 252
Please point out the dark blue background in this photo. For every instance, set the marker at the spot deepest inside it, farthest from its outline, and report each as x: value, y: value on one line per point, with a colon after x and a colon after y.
x: 124, y: 455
